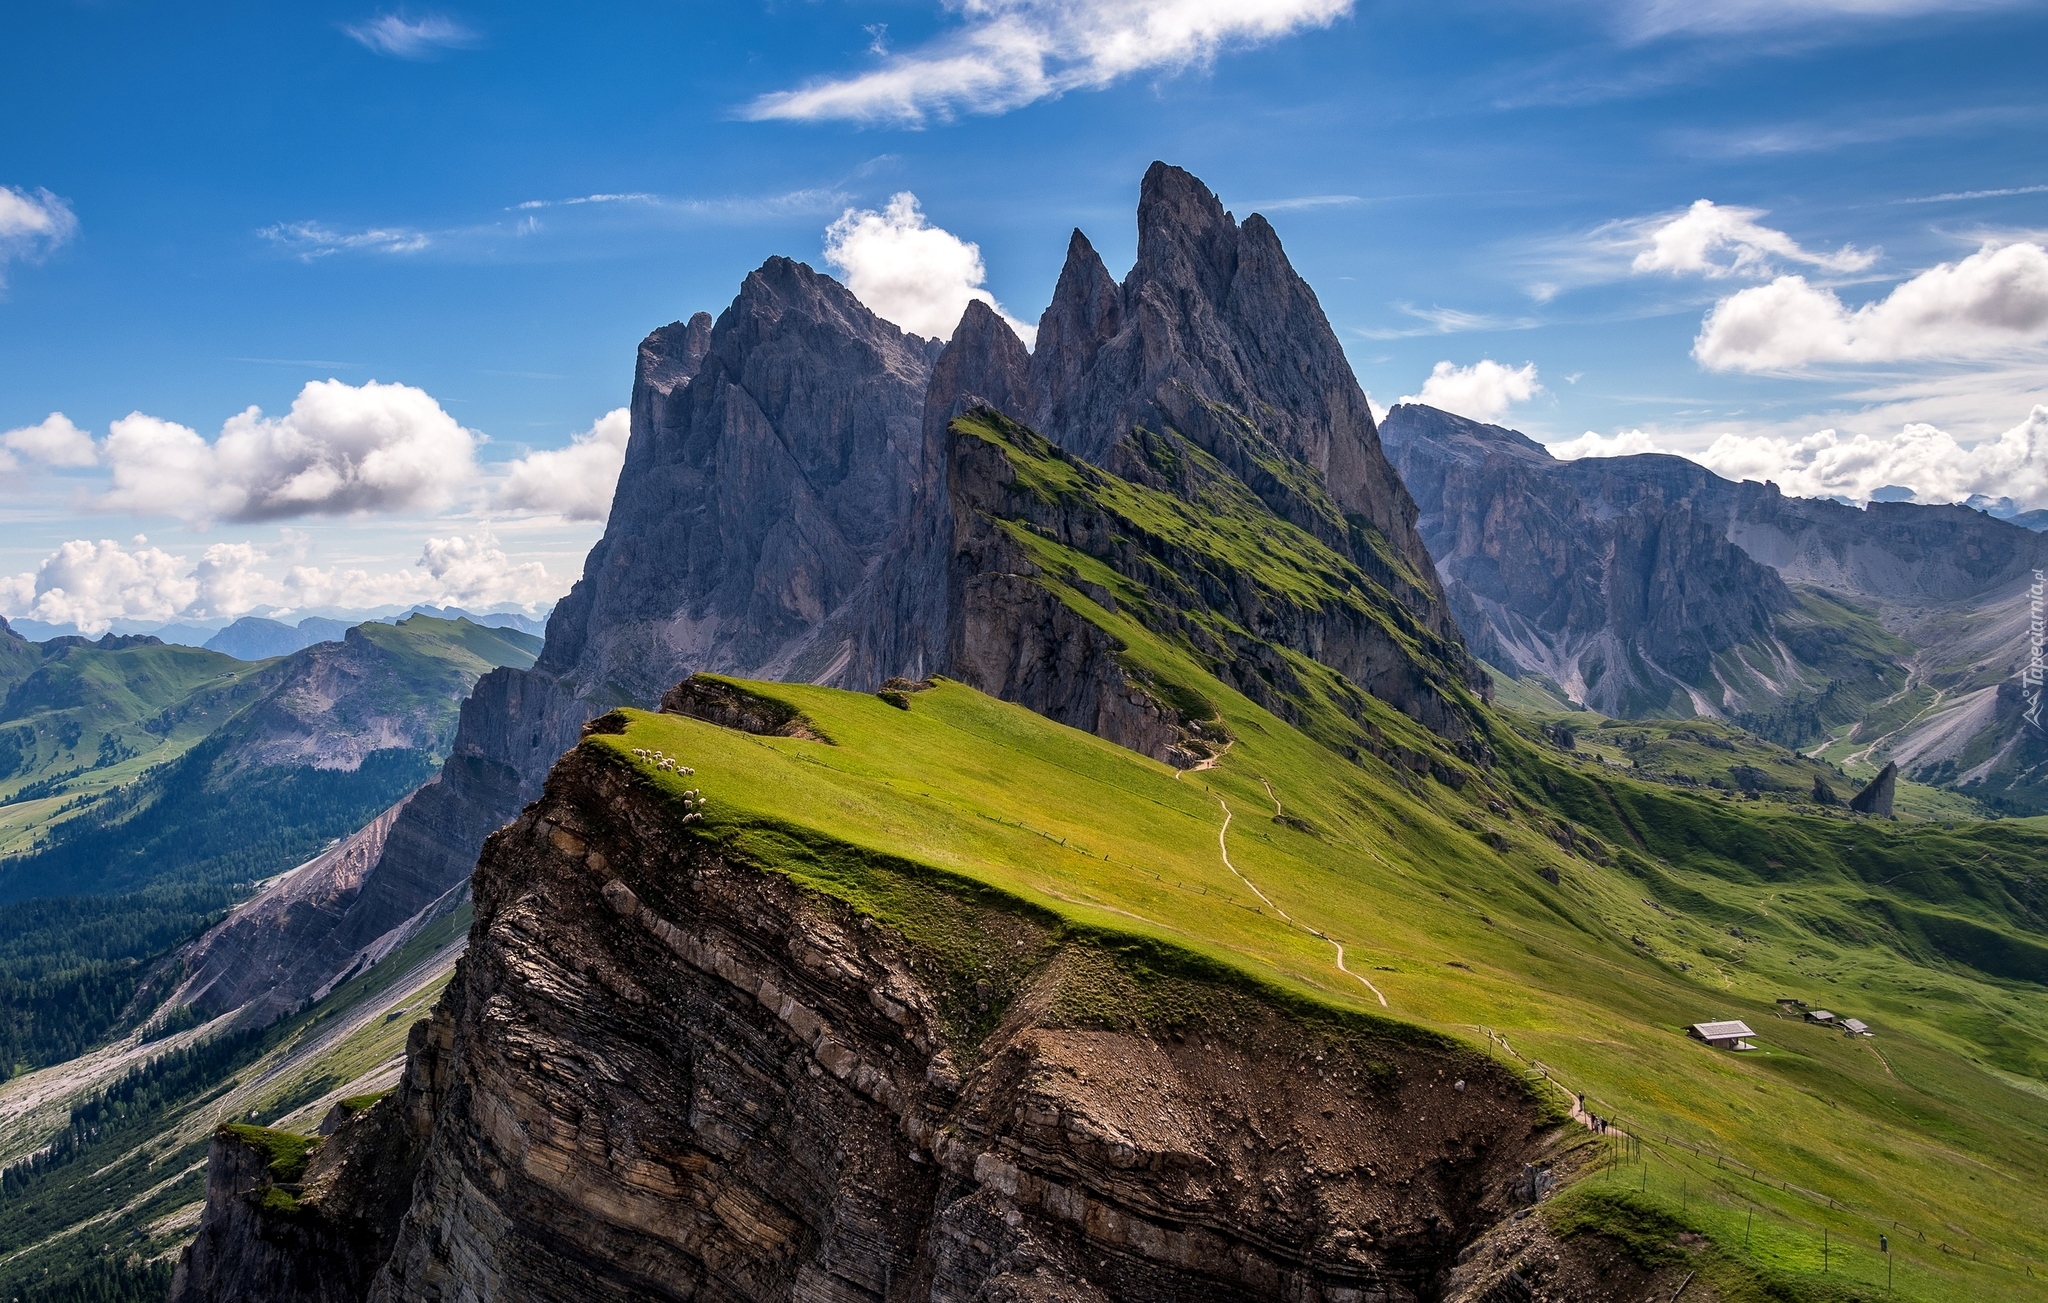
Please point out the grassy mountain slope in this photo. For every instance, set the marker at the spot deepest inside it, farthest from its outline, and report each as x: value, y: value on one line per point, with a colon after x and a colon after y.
x: 138, y: 868
x: 1584, y: 917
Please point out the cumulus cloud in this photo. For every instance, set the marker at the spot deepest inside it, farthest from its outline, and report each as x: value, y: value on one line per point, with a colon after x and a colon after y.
x: 1009, y: 53
x: 1626, y: 443
x: 1986, y: 305
x: 419, y: 38
x: 54, y: 441
x: 341, y: 449
x: 92, y: 584
x: 1483, y: 391
x: 31, y: 225
x: 1709, y: 240
x: 575, y: 482
x: 910, y: 272
x: 1920, y: 457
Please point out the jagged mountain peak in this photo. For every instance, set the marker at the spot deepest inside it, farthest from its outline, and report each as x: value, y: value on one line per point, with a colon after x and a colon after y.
x: 671, y: 354
x: 1185, y: 237
x: 1214, y: 335
x: 984, y: 364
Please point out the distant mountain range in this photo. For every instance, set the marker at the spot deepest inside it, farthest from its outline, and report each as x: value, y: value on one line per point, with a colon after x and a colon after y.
x: 253, y: 637
x: 1647, y: 586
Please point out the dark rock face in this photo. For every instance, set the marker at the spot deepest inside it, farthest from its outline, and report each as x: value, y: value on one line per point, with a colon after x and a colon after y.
x: 1876, y: 799
x: 773, y: 458
x: 662, y: 1075
x: 316, y: 1239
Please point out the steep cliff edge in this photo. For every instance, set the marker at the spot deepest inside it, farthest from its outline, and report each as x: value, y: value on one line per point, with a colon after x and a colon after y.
x: 676, y: 1073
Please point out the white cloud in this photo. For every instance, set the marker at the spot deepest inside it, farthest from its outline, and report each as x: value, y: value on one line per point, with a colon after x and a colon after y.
x: 1920, y: 457
x: 421, y: 38
x: 1709, y: 240
x: 1986, y: 305
x: 341, y: 449
x: 911, y: 272
x: 1626, y: 443
x: 1650, y: 19
x: 1483, y: 391
x: 1009, y: 53
x: 463, y: 570
x: 575, y: 482
x: 310, y: 240
x: 54, y: 441
x: 31, y: 225
x: 90, y: 584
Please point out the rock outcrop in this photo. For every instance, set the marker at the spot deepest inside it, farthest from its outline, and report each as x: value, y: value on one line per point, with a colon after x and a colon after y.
x: 1876, y: 798
x: 663, y: 1074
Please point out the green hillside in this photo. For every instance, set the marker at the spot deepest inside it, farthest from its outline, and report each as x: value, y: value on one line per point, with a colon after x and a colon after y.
x: 144, y: 853
x: 1582, y: 917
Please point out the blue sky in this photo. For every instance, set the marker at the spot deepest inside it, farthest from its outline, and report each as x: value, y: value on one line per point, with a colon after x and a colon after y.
x: 207, y: 208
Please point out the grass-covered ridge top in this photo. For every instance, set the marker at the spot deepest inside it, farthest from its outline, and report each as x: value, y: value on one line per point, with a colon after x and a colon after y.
x: 1669, y: 908
x: 1189, y: 551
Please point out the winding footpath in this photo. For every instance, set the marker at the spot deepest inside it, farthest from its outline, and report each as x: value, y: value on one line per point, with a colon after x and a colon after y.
x: 1223, y: 845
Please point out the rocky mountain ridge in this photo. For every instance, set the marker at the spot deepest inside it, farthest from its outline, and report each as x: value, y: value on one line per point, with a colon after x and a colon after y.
x: 784, y: 510
x: 1648, y: 585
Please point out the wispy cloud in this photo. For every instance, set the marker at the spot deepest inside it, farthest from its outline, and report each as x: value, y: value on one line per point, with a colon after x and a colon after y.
x: 523, y: 230
x: 1445, y: 321
x: 1302, y: 201
x: 412, y: 38
x: 589, y: 199
x: 32, y: 224
x: 1647, y: 20
x: 1010, y: 53
x: 1823, y: 136
x: 308, y: 241
x: 1956, y: 195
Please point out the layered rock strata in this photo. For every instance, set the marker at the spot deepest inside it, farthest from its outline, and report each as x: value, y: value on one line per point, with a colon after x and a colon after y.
x: 662, y: 1073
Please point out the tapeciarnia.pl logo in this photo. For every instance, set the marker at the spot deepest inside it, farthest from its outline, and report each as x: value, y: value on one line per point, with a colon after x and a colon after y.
x: 2037, y: 635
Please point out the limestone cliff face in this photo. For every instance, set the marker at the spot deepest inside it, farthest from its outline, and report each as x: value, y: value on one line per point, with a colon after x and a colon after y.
x: 664, y: 1074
